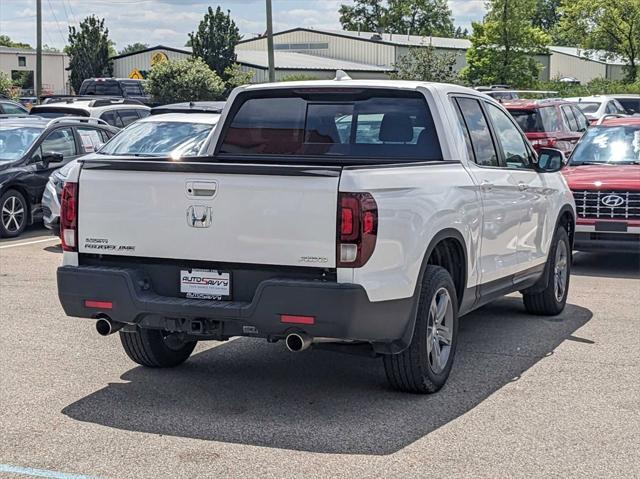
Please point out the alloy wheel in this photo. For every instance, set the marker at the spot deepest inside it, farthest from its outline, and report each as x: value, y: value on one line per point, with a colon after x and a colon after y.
x: 13, y: 214
x: 440, y: 330
x: 560, y: 271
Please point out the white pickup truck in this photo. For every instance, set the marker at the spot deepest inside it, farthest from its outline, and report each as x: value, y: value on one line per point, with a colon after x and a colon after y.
x: 363, y: 216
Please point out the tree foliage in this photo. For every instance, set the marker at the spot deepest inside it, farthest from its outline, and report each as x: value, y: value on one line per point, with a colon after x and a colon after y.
x: 426, y: 64
x: 416, y: 17
x: 236, y: 76
x: 611, y: 25
x: 503, y: 45
x: 215, y: 41
x: 6, y: 86
x: 5, y: 41
x: 183, y: 80
x: 89, y: 51
x: 133, y: 48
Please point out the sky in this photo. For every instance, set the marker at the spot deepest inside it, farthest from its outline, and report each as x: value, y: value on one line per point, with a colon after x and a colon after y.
x: 168, y: 22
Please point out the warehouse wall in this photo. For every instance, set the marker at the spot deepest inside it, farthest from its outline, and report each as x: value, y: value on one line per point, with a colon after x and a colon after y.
x: 55, y: 77
x: 569, y: 66
x: 615, y: 72
x: 122, y: 67
x: 337, y: 47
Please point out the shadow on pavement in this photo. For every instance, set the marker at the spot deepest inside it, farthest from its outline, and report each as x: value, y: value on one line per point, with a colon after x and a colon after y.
x: 254, y: 393
x: 608, y: 265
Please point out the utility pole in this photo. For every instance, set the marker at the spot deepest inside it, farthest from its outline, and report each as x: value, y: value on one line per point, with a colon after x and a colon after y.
x: 272, y: 71
x: 38, y: 49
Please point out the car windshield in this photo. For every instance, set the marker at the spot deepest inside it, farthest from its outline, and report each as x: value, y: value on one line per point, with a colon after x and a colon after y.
x: 16, y: 140
x: 589, y: 107
x: 538, y: 120
x: 608, y: 144
x: 159, y: 138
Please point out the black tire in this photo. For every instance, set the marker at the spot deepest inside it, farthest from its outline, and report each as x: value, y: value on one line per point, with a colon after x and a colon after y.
x: 550, y: 301
x: 155, y: 348
x: 413, y: 370
x: 12, y: 225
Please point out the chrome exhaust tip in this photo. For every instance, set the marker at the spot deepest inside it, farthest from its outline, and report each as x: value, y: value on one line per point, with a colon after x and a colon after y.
x: 297, y: 342
x: 105, y: 327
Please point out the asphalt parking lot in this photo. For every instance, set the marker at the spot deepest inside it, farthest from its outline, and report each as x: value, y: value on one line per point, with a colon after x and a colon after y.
x: 528, y: 396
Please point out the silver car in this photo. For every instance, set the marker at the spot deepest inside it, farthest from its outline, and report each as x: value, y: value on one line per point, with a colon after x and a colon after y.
x: 169, y: 134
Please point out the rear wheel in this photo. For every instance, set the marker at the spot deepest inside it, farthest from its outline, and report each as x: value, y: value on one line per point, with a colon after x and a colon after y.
x: 13, y: 214
x: 552, y: 300
x: 425, y: 365
x: 156, y: 348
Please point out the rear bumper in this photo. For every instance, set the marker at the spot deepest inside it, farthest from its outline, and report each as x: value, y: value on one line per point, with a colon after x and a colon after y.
x: 341, y: 311
x: 51, y: 207
x: 588, y: 239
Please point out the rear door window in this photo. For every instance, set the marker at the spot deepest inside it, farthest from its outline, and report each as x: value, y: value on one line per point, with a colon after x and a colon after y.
x: 112, y: 118
x: 572, y: 123
x: 581, y: 119
x: 90, y: 139
x: 346, y: 123
x: 128, y: 116
x: 537, y: 120
x: 481, y: 139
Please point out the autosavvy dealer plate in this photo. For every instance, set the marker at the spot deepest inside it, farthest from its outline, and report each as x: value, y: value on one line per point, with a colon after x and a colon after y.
x: 205, y: 284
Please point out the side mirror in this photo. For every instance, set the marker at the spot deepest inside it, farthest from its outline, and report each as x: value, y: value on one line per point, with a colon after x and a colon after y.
x: 550, y: 160
x: 52, y: 157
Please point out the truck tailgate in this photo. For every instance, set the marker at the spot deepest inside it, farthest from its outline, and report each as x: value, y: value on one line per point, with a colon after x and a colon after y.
x: 283, y: 216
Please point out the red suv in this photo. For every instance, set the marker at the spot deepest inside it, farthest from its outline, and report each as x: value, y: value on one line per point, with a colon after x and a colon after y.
x: 549, y: 123
x: 604, y: 176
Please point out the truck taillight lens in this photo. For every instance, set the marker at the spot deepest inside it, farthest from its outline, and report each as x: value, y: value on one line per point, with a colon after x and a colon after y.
x: 357, y: 229
x: 69, y: 217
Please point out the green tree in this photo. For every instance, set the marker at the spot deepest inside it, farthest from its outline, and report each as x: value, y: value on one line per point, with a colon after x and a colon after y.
x: 546, y: 14
x: 503, y: 45
x: 6, y: 85
x: 89, y: 51
x: 236, y: 76
x: 5, y: 41
x: 183, y: 80
x: 611, y: 25
x: 426, y: 64
x: 133, y: 48
x: 417, y: 17
x: 215, y: 40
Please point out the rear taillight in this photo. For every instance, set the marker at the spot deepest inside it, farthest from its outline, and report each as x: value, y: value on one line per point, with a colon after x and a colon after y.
x: 544, y: 143
x: 357, y: 229
x: 69, y: 217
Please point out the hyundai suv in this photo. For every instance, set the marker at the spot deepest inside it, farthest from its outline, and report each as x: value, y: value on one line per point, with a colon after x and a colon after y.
x: 604, y: 176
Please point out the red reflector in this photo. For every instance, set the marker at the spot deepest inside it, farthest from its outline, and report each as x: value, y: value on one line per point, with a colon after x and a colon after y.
x: 347, y: 221
x: 291, y: 319
x: 98, y: 304
x: 368, y: 222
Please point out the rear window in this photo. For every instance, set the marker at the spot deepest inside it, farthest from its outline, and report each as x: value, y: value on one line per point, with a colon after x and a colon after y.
x: 345, y: 123
x: 132, y: 88
x: 539, y: 120
x: 101, y: 87
x: 589, y: 107
x: 632, y: 105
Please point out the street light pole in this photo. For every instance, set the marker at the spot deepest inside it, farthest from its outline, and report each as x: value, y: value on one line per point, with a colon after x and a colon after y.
x: 38, y: 49
x: 272, y: 71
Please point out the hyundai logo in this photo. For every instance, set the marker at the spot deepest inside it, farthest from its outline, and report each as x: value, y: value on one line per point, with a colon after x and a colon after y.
x: 612, y: 201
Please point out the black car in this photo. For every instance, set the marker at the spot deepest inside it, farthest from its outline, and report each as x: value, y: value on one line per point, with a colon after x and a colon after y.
x: 30, y: 149
x: 115, y: 87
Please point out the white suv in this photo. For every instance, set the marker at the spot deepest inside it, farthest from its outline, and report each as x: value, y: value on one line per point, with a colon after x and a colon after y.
x: 116, y: 112
x: 350, y: 215
x: 597, y: 106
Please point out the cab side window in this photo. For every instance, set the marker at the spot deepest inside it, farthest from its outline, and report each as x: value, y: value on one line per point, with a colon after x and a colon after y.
x: 484, y: 150
x: 60, y: 141
x: 112, y: 118
x: 515, y: 151
x: 570, y: 118
x: 583, y: 123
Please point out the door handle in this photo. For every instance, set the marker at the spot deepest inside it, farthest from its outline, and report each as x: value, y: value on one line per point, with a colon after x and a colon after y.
x: 486, y: 185
x: 523, y: 186
x: 201, y: 189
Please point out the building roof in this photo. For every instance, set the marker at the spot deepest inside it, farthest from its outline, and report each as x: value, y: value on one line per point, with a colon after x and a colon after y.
x: 185, y: 50
x: 28, y: 51
x: 384, y: 38
x: 302, y: 61
x: 599, y: 56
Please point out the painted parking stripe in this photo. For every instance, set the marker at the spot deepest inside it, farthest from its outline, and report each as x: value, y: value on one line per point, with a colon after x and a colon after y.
x: 14, y: 245
x: 29, y: 471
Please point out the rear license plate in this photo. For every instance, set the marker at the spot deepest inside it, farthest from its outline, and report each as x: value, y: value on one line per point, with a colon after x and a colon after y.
x: 205, y: 284
x: 613, y: 226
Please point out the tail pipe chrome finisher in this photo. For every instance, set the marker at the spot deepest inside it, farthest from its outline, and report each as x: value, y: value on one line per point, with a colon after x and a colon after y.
x: 105, y: 326
x: 297, y: 342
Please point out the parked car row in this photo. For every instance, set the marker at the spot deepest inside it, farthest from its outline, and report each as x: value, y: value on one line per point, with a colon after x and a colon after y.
x: 38, y: 150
